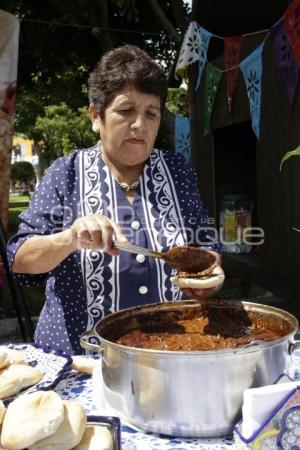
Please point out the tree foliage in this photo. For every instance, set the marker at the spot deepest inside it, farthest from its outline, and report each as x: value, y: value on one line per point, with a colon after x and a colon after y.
x: 22, y: 171
x: 62, y: 130
x: 177, y: 101
x: 61, y: 41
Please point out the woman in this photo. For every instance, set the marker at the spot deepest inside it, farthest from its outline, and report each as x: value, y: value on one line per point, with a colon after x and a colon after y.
x: 121, y: 188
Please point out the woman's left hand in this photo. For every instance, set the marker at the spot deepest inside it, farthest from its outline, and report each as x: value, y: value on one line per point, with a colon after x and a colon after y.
x: 199, y: 294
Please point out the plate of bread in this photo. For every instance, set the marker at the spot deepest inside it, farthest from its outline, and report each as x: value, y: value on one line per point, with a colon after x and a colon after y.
x: 28, y: 368
x: 41, y: 420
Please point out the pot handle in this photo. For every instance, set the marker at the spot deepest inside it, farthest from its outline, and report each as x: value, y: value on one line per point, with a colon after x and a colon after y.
x: 294, y: 346
x: 84, y: 342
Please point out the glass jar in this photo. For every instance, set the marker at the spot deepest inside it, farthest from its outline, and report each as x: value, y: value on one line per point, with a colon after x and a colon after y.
x: 235, y: 217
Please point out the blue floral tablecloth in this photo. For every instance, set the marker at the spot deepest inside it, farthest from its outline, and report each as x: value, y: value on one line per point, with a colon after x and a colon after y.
x: 80, y: 387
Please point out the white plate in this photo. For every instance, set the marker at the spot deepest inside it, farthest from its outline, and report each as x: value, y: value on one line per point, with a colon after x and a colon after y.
x: 51, y: 363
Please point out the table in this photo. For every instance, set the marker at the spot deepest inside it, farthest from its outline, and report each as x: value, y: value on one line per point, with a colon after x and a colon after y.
x: 81, y: 387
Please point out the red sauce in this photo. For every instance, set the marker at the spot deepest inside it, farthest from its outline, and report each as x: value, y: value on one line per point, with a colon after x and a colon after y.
x: 201, y: 333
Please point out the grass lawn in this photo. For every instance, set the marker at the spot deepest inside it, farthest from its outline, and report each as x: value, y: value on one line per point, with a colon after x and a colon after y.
x: 34, y: 295
x: 17, y: 204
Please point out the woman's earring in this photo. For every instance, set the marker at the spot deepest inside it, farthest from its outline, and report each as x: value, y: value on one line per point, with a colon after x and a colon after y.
x: 96, y: 126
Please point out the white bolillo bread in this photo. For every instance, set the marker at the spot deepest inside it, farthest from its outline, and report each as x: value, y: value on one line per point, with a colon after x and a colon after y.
x: 10, y: 356
x: 2, y: 411
x: 69, y: 433
x: 9, y: 385
x: 16, y: 377
x: 96, y: 438
x: 30, y: 418
x: 4, y: 357
x: 205, y: 282
x: 83, y: 364
x: 27, y: 375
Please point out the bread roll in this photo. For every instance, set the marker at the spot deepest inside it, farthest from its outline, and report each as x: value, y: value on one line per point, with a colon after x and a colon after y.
x: 16, y: 357
x: 205, y: 282
x: 4, y: 360
x: 70, y: 431
x: 2, y: 411
x: 96, y: 438
x: 27, y: 375
x: 84, y: 364
x: 10, y: 356
x: 9, y: 385
x: 30, y: 418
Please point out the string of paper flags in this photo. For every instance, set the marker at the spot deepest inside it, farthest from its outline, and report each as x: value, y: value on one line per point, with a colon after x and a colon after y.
x: 285, y: 34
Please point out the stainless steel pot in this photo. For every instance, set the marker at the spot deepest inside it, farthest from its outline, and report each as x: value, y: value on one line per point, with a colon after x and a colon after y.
x: 198, y: 393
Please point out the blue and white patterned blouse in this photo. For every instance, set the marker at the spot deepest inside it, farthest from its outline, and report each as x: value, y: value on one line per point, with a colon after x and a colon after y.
x: 167, y: 211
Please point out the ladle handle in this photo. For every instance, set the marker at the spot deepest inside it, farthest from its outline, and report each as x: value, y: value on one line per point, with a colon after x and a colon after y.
x: 126, y: 247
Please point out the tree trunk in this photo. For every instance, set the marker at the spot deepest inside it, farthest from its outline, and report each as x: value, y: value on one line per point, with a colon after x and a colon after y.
x: 40, y: 168
x: 103, y: 35
x: 165, y: 22
x: 6, y: 132
x: 182, y: 20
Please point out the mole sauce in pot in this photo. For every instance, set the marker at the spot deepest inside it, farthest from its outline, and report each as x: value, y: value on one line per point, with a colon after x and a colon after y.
x: 197, y: 359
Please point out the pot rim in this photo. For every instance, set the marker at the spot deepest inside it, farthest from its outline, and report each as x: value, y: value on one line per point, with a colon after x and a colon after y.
x: 203, y: 353
x: 255, y: 347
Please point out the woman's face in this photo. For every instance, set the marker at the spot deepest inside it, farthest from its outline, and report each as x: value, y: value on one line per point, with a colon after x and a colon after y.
x: 129, y: 127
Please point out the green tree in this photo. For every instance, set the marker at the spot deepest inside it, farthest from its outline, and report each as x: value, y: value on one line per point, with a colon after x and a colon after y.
x: 62, y: 130
x: 23, y: 172
x: 60, y: 42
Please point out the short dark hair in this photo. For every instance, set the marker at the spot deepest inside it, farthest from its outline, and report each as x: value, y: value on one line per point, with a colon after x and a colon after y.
x: 123, y: 65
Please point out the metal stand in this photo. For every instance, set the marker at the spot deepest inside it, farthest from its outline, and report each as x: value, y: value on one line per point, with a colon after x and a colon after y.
x: 20, y: 305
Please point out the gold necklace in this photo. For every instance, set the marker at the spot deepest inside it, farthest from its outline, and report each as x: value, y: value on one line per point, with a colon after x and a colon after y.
x: 124, y: 186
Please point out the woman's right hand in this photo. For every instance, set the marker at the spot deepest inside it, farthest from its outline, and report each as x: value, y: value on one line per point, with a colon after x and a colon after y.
x: 99, y: 230
x: 41, y: 254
